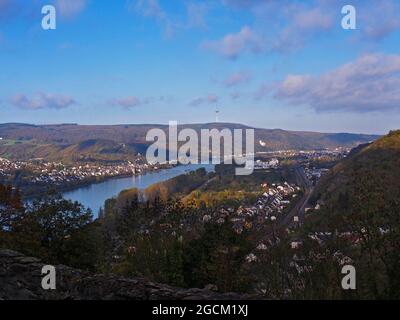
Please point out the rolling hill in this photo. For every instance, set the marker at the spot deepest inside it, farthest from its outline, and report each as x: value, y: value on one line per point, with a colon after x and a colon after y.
x: 70, y: 142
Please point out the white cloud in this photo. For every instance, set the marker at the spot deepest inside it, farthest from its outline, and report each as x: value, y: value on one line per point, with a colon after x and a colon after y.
x: 312, y: 20
x: 301, y: 24
x: 278, y: 27
x: 371, y: 83
x: 70, y: 8
x: 153, y: 10
x: 244, y: 3
x: 237, y: 78
x: 129, y: 102
x: 169, y: 23
x: 384, y: 21
x: 42, y: 101
x: 235, y: 44
x: 196, y: 15
x: 148, y: 8
x: 210, y: 99
x: 288, y: 26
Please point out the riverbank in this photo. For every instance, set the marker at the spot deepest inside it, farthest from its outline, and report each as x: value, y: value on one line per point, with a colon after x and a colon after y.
x: 40, y: 191
x: 93, y: 196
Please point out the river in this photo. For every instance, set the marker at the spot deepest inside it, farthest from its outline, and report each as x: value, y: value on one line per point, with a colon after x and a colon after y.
x: 94, y: 195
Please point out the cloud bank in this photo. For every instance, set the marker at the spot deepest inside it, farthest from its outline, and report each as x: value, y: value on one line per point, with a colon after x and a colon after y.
x: 371, y: 83
x: 288, y: 26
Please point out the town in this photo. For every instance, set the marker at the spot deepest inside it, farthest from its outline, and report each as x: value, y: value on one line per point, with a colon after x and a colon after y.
x: 36, y: 175
x: 39, y: 173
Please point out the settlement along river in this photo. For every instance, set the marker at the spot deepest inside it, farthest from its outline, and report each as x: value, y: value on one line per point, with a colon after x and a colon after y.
x: 94, y: 195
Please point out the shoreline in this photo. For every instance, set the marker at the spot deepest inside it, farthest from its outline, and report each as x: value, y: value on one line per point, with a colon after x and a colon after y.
x: 86, y: 183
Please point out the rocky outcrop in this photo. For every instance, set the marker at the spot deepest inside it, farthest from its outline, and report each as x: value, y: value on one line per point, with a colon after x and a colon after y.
x: 21, y: 278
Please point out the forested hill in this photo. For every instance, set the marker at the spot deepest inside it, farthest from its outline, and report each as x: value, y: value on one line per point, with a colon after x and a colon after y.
x: 65, y: 141
x: 369, y: 168
x: 360, y: 201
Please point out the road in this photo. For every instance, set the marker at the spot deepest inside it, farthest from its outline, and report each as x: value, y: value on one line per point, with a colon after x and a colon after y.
x: 299, y: 208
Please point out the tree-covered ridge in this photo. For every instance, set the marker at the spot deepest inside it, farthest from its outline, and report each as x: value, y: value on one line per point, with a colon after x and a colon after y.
x: 380, y: 161
x: 360, y: 209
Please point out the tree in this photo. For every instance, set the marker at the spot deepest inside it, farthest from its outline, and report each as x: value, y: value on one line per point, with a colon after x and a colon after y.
x: 56, y: 230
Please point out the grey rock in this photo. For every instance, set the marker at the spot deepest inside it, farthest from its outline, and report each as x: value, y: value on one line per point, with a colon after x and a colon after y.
x: 9, y: 253
x: 20, y: 279
x: 27, y: 260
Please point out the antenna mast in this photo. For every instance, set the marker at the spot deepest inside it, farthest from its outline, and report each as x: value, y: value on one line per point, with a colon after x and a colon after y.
x: 216, y: 115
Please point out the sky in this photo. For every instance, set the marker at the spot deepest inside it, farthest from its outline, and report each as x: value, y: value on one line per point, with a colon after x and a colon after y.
x: 265, y: 63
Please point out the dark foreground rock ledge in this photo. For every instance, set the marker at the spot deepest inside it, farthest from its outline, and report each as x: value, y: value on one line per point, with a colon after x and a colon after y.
x: 20, y: 279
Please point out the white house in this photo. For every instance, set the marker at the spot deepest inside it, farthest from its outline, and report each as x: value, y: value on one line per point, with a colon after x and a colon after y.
x: 295, y: 244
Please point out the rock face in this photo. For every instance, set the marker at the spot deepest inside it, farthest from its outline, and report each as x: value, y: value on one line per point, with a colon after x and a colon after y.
x: 21, y: 278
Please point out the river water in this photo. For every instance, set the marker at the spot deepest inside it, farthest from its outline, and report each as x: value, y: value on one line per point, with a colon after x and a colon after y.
x: 93, y: 196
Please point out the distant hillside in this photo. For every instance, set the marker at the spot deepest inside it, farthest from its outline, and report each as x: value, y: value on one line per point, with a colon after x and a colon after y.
x: 113, y: 142
x: 86, y: 151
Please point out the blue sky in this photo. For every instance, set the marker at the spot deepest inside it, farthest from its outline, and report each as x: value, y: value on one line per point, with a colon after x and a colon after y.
x: 272, y: 64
